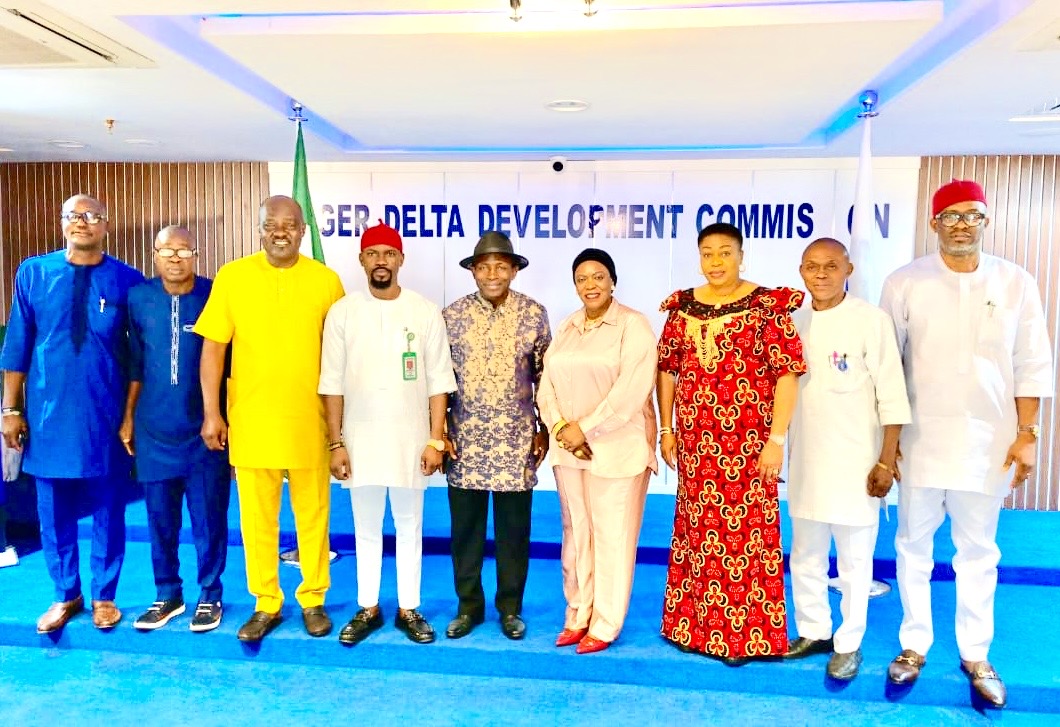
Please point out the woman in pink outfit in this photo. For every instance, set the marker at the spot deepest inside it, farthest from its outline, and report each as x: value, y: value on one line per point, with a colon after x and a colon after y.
x: 596, y: 399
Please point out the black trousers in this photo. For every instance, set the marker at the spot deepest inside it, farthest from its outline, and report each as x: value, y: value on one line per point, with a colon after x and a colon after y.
x: 511, y: 534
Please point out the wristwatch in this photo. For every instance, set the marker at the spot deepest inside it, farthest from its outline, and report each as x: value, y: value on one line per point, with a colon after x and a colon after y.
x: 437, y: 444
x: 778, y: 439
x: 1034, y: 430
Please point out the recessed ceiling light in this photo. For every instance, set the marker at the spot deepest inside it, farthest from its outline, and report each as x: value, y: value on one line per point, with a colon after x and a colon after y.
x: 142, y: 142
x: 567, y: 106
x: 4, y: 149
x: 66, y: 144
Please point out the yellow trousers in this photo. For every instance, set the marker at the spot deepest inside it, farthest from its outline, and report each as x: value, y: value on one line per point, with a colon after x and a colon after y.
x: 259, y: 520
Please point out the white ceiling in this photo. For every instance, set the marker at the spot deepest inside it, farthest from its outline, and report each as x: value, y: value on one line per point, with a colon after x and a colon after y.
x: 402, y: 79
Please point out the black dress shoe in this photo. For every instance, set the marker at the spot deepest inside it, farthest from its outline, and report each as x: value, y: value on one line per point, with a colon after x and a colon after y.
x: 258, y: 626
x: 414, y: 625
x: 363, y: 623
x: 844, y: 667
x: 462, y: 625
x: 801, y: 647
x: 513, y: 626
x: 316, y: 620
x: 735, y: 660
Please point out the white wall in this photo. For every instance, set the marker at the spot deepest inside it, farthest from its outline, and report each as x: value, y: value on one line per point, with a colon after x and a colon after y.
x: 815, y: 195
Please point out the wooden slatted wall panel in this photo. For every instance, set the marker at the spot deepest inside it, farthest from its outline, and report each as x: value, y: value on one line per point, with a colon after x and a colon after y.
x: 217, y: 201
x: 1023, y: 193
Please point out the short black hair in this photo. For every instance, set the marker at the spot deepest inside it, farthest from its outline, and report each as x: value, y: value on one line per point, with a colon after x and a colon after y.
x: 721, y: 228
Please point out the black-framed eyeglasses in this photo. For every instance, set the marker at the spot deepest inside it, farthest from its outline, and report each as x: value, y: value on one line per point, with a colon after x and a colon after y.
x: 91, y: 218
x: 949, y: 219
x: 168, y: 252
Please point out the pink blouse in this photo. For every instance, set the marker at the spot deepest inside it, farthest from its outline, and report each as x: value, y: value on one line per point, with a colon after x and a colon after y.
x: 603, y: 379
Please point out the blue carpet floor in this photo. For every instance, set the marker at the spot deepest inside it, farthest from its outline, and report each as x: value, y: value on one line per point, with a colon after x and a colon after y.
x: 99, y: 687
x: 639, y: 658
x: 1025, y: 560
x: 172, y: 676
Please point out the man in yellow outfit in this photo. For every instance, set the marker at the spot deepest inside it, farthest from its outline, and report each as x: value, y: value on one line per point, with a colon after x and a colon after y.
x: 271, y: 306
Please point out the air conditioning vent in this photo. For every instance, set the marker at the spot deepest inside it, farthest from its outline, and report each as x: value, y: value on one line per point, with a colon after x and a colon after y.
x: 34, y: 36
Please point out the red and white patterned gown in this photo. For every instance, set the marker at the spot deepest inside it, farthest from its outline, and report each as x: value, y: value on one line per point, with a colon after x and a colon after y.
x: 725, y: 583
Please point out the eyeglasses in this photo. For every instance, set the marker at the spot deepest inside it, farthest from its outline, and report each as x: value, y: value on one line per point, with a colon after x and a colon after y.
x: 949, y: 219
x: 168, y: 252
x: 92, y: 218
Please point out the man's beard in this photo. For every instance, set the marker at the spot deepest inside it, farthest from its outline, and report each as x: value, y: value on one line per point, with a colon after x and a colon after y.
x: 381, y: 284
x: 961, y: 250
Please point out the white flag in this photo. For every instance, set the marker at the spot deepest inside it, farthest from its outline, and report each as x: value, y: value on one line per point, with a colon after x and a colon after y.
x: 864, y: 283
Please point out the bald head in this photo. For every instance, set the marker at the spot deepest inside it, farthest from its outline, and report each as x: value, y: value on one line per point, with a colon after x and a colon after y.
x: 825, y: 269
x: 173, y: 261
x: 175, y: 236
x: 282, y: 206
x: 828, y: 246
x: 281, y: 227
x: 84, y: 223
x: 84, y: 203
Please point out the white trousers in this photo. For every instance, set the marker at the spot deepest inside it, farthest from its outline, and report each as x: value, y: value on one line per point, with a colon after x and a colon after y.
x: 406, y: 506
x: 854, y: 545
x: 973, y: 525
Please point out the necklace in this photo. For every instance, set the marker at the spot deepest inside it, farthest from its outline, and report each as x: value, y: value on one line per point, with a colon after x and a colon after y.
x: 721, y: 298
x: 591, y: 323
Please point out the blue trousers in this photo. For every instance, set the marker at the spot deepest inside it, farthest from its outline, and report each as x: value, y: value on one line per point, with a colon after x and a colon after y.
x: 59, y: 503
x: 208, y: 490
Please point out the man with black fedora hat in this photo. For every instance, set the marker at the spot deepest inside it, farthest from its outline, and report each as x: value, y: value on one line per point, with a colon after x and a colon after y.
x: 498, y: 339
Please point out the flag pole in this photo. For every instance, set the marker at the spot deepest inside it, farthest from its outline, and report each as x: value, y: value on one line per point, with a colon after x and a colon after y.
x: 863, y: 224
x: 300, y: 183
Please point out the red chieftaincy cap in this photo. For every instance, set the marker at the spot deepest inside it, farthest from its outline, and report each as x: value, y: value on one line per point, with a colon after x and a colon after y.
x: 959, y: 190
x: 381, y: 234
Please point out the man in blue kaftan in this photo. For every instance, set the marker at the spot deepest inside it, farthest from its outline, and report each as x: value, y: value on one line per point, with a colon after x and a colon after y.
x: 64, y: 362
x: 163, y: 418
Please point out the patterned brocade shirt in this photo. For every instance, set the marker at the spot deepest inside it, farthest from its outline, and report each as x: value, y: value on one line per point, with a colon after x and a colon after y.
x: 498, y: 355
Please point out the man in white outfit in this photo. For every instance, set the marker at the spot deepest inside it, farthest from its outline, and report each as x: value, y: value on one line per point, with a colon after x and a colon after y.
x: 385, y: 375
x: 978, y: 361
x: 844, y: 450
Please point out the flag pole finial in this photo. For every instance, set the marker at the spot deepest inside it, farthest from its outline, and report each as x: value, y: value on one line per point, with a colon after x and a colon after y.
x: 296, y: 112
x: 868, y: 101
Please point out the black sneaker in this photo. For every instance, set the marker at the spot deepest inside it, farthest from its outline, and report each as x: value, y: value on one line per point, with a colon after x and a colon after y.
x: 159, y: 614
x: 207, y: 616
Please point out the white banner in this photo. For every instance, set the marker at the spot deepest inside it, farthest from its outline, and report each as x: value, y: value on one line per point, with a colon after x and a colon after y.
x: 645, y: 214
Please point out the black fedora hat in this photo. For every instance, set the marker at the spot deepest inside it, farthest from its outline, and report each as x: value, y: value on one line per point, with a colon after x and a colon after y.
x: 498, y: 243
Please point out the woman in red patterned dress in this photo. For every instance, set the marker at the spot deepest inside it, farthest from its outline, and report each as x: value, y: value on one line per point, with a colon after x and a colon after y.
x: 729, y: 358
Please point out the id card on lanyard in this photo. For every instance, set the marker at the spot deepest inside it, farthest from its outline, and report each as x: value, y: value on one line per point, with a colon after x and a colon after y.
x: 408, y: 359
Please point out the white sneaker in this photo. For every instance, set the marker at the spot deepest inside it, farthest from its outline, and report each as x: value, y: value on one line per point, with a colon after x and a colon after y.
x: 8, y: 557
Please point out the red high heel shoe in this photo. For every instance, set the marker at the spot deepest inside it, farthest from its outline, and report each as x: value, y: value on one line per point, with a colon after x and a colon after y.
x: 590, y: 645
x: 569, y: 637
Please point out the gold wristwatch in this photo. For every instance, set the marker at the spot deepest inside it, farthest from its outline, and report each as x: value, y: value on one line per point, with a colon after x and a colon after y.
x: 437, y: 444
x: 1034, y: 430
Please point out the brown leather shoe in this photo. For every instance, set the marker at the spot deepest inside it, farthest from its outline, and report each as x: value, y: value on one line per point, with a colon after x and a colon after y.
x: 316, y: 620
x: 105, y: 615
x: 258, y: 626
x: 986, y: 682
x: 906, y: 667
x: 58, y: 614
